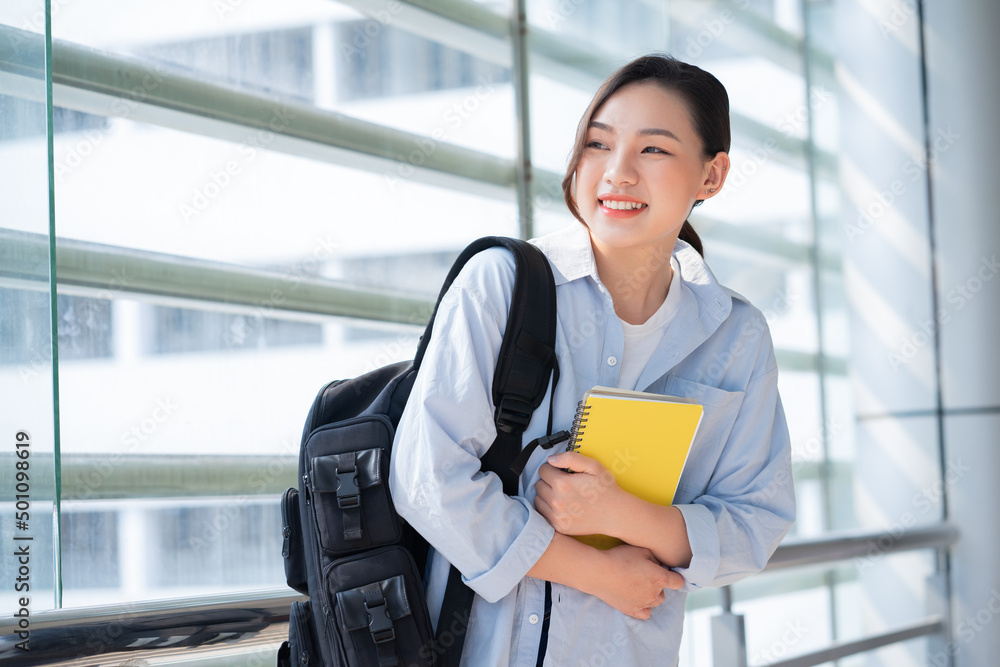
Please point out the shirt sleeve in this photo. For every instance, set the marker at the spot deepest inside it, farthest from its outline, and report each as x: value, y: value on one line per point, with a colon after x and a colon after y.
x: 749, y: 504
x: 447, y: 425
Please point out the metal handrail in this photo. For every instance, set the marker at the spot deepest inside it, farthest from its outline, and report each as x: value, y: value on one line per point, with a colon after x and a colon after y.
x: 130, y: 475
x: 857, y: 544
x: 729, y: 629
x: 101, y: 270
x: 253, y: 617
x: 838, y: 650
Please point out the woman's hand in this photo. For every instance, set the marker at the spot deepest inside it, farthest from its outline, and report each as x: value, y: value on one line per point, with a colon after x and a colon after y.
x: 583, y: 502
x: 589, y: 501
x: 634, y: 581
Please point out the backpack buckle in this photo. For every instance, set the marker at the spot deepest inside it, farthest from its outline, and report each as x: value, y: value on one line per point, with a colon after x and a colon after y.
x: 379, y: 623
x: 348, y: 491
x: 513, y: 414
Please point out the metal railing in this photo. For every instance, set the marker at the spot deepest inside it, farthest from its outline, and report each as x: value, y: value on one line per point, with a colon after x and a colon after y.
x: 729, y: 630
x: 228, y: 628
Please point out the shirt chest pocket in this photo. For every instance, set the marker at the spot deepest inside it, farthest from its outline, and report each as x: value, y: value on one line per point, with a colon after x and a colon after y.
x: 721, y: 408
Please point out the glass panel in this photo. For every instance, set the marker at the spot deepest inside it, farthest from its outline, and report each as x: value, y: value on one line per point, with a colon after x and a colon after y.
x: 319, y: 53
x: 622, y: 29
x: 27, y: 427
x: 788, y: 623
x: 201, y: 401
x: 887, y: 591
x: 199, y: 415
x: 243, y: 203
x: 121, y: 550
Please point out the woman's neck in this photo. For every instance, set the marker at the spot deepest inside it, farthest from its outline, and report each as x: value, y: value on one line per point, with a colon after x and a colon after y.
x: 637, y: 279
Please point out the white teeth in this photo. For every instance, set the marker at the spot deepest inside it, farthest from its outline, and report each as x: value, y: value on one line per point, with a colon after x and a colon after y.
x: 622, y: 205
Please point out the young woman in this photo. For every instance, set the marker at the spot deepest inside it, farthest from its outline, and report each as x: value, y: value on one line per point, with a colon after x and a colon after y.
x: 638, y: 308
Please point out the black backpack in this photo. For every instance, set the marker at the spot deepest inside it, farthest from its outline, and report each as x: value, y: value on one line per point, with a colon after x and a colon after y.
x: 344, y: 545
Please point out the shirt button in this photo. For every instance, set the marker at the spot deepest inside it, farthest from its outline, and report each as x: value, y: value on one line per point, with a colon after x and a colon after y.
x: 533, y: 619
x: 612, y: 361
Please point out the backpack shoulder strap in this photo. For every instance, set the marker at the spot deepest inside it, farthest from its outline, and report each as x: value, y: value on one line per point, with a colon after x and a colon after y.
x: 525, y: 362
x: 527, y: 354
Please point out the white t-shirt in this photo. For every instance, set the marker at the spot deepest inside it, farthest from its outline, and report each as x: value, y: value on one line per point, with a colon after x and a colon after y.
x: 641, y: 339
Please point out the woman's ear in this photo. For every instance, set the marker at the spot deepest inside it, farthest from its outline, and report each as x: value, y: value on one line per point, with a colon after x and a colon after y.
x: 716, y: 171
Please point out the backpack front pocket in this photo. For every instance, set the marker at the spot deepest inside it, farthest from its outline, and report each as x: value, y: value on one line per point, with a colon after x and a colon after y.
x: 349, y: 487
x: 379, y: 609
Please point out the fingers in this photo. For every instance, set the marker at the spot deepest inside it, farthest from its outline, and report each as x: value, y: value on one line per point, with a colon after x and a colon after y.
x: 548, y: 473
x: 574, y: 461
x: 674, y: 581
x: 643, y: 613
x: 543, y: 508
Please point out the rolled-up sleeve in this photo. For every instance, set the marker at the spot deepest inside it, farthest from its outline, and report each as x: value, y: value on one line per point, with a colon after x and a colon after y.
x: 447, y: 425
x: 749, y: 505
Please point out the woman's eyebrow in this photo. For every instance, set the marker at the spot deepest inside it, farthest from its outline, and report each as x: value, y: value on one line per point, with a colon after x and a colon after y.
x: 658, y: 131
x: 648, y: 132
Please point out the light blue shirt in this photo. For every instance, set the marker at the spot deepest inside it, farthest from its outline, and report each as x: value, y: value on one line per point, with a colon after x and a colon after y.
x: 735, y: 493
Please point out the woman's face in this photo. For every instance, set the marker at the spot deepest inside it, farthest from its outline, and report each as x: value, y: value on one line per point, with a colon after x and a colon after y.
x: 641, y: 169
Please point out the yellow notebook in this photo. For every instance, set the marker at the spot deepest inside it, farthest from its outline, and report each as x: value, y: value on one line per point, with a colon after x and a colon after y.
x: 642, y: 438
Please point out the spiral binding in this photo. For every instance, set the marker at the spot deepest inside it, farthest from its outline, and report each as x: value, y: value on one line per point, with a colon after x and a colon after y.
x: 579, y: 423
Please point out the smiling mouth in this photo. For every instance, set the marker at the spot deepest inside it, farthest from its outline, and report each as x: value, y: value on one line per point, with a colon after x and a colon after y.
x: 622, y: 205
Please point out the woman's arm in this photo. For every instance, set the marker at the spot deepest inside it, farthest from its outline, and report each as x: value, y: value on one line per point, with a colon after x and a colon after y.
x: 626, y: 577
x: 589, y: 501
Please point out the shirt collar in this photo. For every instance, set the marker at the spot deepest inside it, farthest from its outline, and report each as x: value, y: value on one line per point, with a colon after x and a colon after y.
x: 570, y: 253
x: 572, y: 258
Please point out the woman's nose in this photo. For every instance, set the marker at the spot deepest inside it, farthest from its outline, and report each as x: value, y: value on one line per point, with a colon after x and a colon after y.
x: 620, y: 169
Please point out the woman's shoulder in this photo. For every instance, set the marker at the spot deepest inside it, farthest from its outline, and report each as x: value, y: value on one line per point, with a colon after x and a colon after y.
x: 486, y: 269
x: 744, y: 310
x: 487, y: 278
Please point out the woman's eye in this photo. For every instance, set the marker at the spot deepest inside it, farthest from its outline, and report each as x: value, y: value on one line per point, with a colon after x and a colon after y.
x: 595, y: 144
x: 654, y: 149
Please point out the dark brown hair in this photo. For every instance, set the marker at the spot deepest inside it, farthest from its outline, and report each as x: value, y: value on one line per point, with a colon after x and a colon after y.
x: 706, y: 99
